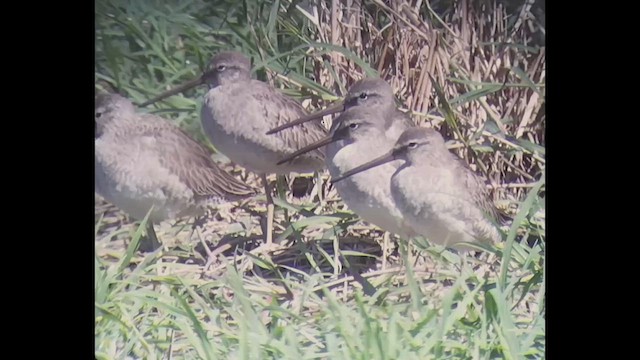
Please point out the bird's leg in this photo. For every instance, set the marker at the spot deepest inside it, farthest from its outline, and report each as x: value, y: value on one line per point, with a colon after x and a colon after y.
x: 210, y: 256
x: 319, y: 186
x: 413, y: 255
x: 385, y: 248
x: 199, y: 221
x: 270, y: 208
x: 150, y: 241
x: 464, y: 261
x: 281, y: 191
x: 281, y: 187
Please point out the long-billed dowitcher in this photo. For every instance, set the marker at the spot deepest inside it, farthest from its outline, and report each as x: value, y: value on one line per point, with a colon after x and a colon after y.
x: 438, y: 195
x: 238, y: 111
x: 143, y: 161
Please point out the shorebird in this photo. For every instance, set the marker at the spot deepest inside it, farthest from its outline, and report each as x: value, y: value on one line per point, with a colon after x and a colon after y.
x: 358, y: 135
x: 371, y: 93
x: 438, y: 195
x: 143, y: 162
x: 238, y: 111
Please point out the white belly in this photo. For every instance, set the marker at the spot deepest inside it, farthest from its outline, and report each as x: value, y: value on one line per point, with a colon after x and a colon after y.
x: 368, y: 193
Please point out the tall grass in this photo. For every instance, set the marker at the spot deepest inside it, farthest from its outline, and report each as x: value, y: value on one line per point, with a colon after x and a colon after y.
x: 474, y: 70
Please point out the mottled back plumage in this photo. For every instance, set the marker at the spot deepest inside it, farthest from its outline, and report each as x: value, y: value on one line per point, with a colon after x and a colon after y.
x: 238, y: 111
x: 191, y: 161
x: 438, y: 188
x: 142, y: 156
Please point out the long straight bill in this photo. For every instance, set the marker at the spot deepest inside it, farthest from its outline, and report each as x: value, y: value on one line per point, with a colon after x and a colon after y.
x: 317, y: 115
x: 180, y: 88
x: 366, y: 166
x: 320, y: 143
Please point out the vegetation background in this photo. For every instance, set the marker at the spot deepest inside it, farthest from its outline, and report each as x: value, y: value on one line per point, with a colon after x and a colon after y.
x: 475, y: 70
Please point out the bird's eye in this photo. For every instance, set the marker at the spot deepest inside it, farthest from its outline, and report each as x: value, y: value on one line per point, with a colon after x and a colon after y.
x: 98, y: 114
x: 412, y: 145
x: 364, y: 96
x: 353, y: 126
x: 221, y: 67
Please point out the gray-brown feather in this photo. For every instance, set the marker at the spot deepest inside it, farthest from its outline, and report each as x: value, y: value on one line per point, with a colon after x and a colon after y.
x: 188, y: 159
x: 237, y: 116
x: 433, y: 154
x: 280, y: 109
x: 476, y: 187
